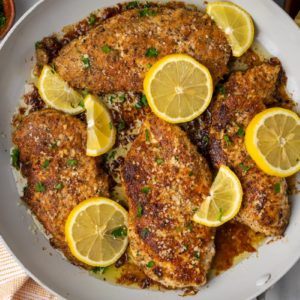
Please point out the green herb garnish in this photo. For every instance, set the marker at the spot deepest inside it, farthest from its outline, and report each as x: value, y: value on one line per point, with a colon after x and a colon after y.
x: 244, y: 168
x: 45, y: 164
x: 151, y: 52
x: 227, y: 140
x: 121, y: 125
x: 147, y: 135
x: 150, y: 264
x: 146, y: 189
x: 100, y: 270
x: 59, y: 186
x: 39, y: 187
x: 142, y: 102
x: 81, y: 103
x: 106, y: 49
x: 72, y: 162
x: 147, y: 12
x: 92, y: 20
x: 132, y: 4
x: 277, y: 188
x: 110, y: 125
x: 111, y: 154
x: 159, y: 161
x: 191, y: 173
x: 240, y: 132
x: 15, y: 158
x: 86, y: 61
x: 148, y: 66
x: 144, y: 233
x: 189, y: 226
x: 38, y: 45
x: 221, y: 89
x: 139, y: 211
x: 197, y: 254
x: 119, y: 231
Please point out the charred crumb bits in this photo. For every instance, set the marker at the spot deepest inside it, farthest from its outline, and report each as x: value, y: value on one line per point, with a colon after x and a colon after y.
x: 158, y: 272
x: 146, y: 283
x: 122, y: 260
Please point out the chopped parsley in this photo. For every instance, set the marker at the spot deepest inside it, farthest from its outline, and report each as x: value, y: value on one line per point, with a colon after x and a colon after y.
x: 59, y: 186
x: 106, y: 49
x: 92, y: 20
x: 146, y: 189
x: 45, y: 164
x: 240, y: 132
x: 122, y: 98
x: 38, y: 45
x: 39, y: 187
x: 144, y: 233
x: 72, y: 162
x: 53, y: 145
x: 147, y: 12
x: 227, y: 140
x: 185, y: 247
x: 132, y: 4
x: 139, y: 211
x: 141, y: 103
x: 277, y: 188
x: 220, y: 215
x: 197, y: 254
x: 121, y: 125
x: 2, y: 16
x: 221, y: 89
x: 100, y: 270
x: 244, y: 168
x: 111, y: 154
x: 151, y: 52
x: 148, y: 66
x: 15, y: 158
x: 150, y: 264
x: 189, y: 226
x: 119, y: 231
x: 81, y: 103
x: 159, y: 161
x: 147, y: 135
x: 86, y: 61
x: 191, y: 173
x: 205, y: 140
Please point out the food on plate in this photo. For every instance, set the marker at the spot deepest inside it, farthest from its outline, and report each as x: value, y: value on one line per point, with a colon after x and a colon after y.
x: 178, y: 88
x: 96, y: 231
x: 57, y: 93
x: 273, y: 141
x: 223, y: 201
x: 166, y: 180
x: 265, y: 208
x: 235, y: 22
x: 109, y: 87
x: 59, y: 174
x: 116, y: 55
x: 101, y: 133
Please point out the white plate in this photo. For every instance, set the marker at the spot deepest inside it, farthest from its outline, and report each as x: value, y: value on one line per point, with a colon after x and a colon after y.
x: 280, y: 36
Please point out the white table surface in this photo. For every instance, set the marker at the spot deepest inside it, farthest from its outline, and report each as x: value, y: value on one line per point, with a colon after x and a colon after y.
x: 288, y: 288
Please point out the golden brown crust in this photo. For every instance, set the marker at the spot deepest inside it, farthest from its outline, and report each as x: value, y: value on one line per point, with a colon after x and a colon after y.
x: 55, y: 188
x: 129, y: 35
x: 166, y: 180
x: 263, y: 209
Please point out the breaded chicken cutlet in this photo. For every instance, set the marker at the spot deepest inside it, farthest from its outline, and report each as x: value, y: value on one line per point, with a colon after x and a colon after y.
x: 263, y: 208
x: 59, y: 174
x: 116, y: 55
x: 166, y: 179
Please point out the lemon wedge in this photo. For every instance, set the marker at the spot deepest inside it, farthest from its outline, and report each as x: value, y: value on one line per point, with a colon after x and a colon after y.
x: 235, y: 22
x: 273, y: 141
x: 96, y: 231
x: 178, y: 88
x: 101, y: 134
x: 58, y: 94
x: 224, y: 200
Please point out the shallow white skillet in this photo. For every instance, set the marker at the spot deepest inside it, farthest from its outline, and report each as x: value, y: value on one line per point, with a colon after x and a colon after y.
x: 280, y: 36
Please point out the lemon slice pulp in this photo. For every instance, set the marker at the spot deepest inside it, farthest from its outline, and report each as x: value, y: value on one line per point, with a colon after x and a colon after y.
x: 101, y: 134
x: 178, y: 88
x: 96, y: 231
x: 224, y: 200
x: 273, y: 141
x: 235, y: 22
x: 58, y: 94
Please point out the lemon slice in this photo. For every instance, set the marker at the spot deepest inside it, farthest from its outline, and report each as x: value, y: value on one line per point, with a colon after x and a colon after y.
x: 57, y: 94
x: 178, y: 88
x: 273, y: 141
x: 101, y: 134
x: 224, y: 200
x: 235, y: 22
x: 96, y: 231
